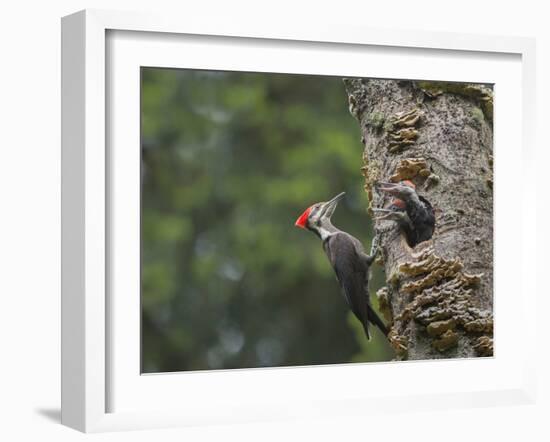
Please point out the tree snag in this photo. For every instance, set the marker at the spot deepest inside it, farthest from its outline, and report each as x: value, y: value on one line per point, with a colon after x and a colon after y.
x: 439, y: 136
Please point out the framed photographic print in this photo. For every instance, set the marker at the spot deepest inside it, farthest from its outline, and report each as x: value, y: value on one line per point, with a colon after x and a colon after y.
x: 256, y: 221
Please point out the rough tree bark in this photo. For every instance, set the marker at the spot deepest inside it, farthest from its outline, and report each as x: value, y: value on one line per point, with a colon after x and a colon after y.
x: 438, y: 296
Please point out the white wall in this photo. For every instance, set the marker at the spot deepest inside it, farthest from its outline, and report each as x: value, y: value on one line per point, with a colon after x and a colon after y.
x: 30, y: 220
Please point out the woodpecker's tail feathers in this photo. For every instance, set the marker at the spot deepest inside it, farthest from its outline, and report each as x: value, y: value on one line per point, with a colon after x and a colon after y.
x: 367, y: 331
x: 375, y: 319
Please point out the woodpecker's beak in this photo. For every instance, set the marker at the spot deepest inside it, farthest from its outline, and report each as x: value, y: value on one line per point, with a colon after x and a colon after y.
x: 400, y: 190
x: 329, y: 207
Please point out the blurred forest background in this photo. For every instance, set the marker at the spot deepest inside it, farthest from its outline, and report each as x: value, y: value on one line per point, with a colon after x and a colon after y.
x: 229, y: 161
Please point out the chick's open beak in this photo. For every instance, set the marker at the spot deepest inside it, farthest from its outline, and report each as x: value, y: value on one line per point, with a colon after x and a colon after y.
x: 391, y: 188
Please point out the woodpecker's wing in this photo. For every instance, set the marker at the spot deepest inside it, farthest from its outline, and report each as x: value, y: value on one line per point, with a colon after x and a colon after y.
x: 430, y: 212
x: 351, y: 268
x: 375, y: 319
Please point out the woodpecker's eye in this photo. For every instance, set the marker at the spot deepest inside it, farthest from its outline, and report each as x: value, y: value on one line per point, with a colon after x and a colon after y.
x: 313, y: 214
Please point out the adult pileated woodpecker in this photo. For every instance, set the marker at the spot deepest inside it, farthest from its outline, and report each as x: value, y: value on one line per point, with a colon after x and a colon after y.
x: 413, y: 213
x: 348, y: 259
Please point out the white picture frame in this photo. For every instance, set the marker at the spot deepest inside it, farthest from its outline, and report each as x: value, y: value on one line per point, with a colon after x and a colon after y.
x: 90, y: 326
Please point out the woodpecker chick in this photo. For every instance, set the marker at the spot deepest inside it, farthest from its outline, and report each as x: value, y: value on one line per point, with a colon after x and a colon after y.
x: 397, y: 204
x: 396, y: 211
x: 418, y: 218
x: 348, y: 259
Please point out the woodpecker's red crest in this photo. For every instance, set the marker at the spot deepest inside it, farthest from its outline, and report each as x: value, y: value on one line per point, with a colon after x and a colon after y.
x: 398, y: 204
x: 302, y: 219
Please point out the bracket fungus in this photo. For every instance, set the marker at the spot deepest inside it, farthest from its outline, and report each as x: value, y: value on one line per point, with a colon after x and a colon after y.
x: 402, y: 131
x: 441, y: 299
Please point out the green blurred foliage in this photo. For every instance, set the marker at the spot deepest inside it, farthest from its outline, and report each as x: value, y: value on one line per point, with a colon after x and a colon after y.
x: 229, y: 161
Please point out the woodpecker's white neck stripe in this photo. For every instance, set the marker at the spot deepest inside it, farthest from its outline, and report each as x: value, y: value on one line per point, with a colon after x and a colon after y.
x: 324, y: 233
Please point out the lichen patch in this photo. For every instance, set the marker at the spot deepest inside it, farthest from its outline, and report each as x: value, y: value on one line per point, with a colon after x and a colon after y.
x: 384, y: 303
x: 482, y: 95
x: 399, y: 342
x: 371, y: 173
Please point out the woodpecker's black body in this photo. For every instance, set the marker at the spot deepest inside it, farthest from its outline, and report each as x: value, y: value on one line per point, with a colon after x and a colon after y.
x: 415, y: 216
x: 348, y: 259
x: 351, y: 265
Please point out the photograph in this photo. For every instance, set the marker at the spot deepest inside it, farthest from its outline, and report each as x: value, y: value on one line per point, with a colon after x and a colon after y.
x: 302, y: 220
